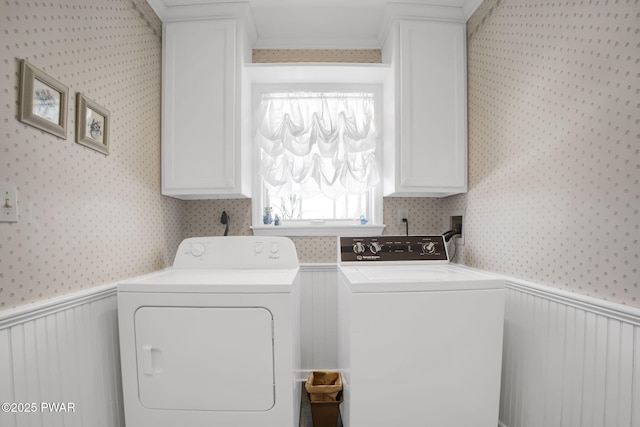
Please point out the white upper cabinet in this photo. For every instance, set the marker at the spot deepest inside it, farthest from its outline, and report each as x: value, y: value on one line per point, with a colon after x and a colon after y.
x: 206, y: 150
x: 206, y: 115
x: 426, y: 138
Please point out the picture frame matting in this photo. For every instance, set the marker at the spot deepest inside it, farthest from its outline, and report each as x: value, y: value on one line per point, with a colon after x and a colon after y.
x: 42, y: 101
x: 92, y: 124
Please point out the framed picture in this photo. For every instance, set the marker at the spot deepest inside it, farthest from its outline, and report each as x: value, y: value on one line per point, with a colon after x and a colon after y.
x: 92, y: 123
x: 43, y: 101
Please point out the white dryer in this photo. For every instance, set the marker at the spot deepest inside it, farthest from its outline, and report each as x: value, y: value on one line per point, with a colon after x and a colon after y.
x: 213, y: 340
x: 419, y: 339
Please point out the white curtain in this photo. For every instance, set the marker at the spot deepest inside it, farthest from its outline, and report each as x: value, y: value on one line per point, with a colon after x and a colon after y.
x: 315, y: 143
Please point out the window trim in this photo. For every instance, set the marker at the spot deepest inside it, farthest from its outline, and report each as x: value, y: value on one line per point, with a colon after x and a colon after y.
x: 353, y: 229
x: 375, y: 224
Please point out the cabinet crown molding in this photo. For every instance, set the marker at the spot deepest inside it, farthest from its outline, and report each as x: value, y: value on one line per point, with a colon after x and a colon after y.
x: 231, y: 10
x: 396, y: 11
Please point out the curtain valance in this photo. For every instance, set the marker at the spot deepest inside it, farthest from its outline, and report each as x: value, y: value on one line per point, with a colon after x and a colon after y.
x: 313, y: 143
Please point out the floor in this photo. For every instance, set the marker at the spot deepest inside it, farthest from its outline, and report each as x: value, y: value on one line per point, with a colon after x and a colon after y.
x: 305, y: 411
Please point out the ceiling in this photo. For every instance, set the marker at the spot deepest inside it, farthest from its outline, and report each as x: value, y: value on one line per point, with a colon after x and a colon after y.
x: 317, y: 24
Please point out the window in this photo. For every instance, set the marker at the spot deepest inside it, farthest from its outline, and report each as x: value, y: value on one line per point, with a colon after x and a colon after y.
x: 317, y: 154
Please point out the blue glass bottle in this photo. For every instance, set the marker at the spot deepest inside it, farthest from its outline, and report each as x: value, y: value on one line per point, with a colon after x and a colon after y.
x: 267, y: 218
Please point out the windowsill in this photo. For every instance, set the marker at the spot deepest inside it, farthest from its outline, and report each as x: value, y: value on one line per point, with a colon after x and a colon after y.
x: 352, y: 230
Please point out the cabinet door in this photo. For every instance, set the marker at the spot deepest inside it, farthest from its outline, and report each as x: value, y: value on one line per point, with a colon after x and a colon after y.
x: 433, y: 129
x: 199, y: 153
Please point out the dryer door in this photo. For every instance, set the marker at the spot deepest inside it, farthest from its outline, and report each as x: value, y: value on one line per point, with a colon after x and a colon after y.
x: 205, y: 358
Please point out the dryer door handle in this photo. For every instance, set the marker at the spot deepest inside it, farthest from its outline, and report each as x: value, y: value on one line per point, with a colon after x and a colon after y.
x: 151, y: 360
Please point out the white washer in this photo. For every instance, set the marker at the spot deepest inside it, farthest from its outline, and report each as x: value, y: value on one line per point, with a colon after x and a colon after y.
x: 419, y: 339
x: 215, y: 339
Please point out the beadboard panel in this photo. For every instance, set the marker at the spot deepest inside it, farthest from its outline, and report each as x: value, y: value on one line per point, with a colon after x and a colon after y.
x: 318, y: 316
x: 569, y: 361
x: 63, y: 353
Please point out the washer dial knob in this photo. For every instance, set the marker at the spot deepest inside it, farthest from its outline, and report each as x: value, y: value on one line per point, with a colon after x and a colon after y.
x: 375, y: 247
x: 429, y: 248
x: 359, y: 248
x: 198, y: 249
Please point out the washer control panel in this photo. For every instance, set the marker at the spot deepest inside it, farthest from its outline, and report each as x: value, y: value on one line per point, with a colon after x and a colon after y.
x: 392, y: 248
x: 232, y: 252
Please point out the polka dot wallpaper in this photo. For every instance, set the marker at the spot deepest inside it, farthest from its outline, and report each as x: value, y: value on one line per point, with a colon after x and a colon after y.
x: 554, y: 151
x: 554, y: 144
x: 85, y: 218
x: 317, y: 55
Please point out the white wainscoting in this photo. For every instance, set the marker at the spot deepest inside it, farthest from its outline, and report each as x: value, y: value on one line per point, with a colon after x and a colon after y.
x: 63, y: 351
x: 318, y: 317
x: 569, y: 360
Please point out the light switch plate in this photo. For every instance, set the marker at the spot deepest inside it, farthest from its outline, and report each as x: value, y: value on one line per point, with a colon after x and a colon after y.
x: 8, y: 203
